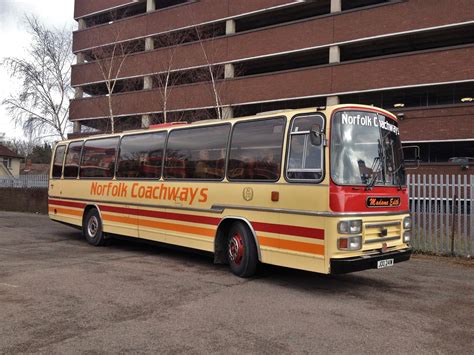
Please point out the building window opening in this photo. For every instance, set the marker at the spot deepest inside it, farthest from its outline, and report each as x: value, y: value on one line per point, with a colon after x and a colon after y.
x: 303, y: 10
x: 117, y: 14
x: 439, y: 95
x: 278, y: 63
x: 176, y: 78
x: 443, y: 38
x: 194, y: 34
x: 443, y: 153
x: 354, y: 4
x: 163, y: 4
x: 249, y: 110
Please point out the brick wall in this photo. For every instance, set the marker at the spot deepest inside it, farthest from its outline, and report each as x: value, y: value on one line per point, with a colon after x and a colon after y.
x: 24, y: 200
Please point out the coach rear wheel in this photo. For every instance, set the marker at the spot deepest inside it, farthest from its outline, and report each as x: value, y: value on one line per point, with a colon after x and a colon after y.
x: 92, y: 228
x: 241, y: 251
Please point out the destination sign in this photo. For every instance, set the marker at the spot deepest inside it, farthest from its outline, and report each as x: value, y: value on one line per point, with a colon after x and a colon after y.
x: 368, y: 120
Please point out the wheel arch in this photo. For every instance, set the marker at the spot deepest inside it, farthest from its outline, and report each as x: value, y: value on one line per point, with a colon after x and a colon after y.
x: 220, y: 245
x: 89, y: 207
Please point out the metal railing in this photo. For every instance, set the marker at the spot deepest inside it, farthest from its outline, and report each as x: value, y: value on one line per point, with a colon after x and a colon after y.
x: 25, y: 182
x: 441, y: 208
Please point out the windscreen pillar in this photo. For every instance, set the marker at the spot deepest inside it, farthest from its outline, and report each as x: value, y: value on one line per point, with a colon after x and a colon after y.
x: 336, y: 6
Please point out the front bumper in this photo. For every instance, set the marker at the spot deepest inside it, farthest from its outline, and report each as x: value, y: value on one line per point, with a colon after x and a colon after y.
x: 343, y: 266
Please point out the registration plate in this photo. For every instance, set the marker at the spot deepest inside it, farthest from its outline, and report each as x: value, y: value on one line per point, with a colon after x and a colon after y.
x: 384, y: 263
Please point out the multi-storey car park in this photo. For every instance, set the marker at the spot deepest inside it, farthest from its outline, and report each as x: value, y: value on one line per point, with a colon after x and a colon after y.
x: 189, y: 60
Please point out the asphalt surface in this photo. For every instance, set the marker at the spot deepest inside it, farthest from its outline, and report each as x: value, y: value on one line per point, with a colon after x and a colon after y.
x: 60, y: 295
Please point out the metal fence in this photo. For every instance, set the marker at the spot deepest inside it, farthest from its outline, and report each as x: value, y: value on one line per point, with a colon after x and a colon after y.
x: 440, y: 205
x: 441, y: 208
x: 25, y: 181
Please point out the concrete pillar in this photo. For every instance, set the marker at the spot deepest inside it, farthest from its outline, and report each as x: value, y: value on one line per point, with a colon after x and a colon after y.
x: 334, y: 54
x: 229, y: 71
x: 81, y: 24
x: 336, y: 6
x: 80, y: 58
x: 76, y: 127
x: 146, y: 121
x: 78, y: 93
x: 147, y: 82
x: 147, y: 85
x: 227, y: 112
x: 149, y: 44
x: 150, y: 5
x: 230, y: 27
x: 332, y: 100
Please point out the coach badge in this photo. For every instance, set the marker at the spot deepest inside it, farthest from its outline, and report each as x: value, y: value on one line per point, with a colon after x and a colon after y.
x: 247, y: 194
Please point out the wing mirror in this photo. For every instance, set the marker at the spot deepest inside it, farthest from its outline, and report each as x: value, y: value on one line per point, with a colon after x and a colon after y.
x: 316, y: 134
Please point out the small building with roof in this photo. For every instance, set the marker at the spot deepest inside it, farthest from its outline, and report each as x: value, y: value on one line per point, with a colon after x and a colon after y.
x: 9, y: 162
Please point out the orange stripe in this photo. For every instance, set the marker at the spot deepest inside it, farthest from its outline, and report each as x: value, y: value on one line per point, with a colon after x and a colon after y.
x: 61, y: 210
x: 161, y: 225
x: 317, y: 249
x: 291, y: 245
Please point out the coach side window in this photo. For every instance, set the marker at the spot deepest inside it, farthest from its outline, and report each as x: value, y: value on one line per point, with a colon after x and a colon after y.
x: 98, y: 158
x: 58, y: 161
x: 141, y: 155
x: 304, y: 158
x: 197, y: 153
x: 73, y: 159
x: 256, y: 150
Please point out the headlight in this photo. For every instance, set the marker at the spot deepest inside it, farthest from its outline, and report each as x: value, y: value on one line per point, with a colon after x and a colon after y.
x: 407, y: 223
x: 407, y: 237
x: 350, y: 227
x: 349, y: 243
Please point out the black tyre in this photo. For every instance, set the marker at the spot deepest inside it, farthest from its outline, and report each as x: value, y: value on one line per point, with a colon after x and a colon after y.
x: 92, y: 228
x: 242, y: 251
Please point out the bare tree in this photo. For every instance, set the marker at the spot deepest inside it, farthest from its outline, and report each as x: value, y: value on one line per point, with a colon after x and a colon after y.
x: 110, y: 60
x: 41, y: 105
x: 214, y: 72
x: 169, y: 77
x: 21, y: 147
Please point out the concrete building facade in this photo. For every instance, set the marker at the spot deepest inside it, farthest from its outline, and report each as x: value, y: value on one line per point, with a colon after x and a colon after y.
x: 147, y: 61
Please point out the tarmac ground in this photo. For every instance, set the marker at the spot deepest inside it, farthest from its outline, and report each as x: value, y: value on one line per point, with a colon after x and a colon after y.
x: 60, y: 295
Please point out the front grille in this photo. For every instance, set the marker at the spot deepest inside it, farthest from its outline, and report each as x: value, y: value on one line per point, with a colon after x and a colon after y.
x: 380, y: 232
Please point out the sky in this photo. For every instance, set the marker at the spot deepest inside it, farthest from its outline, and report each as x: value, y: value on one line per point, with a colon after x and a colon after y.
x: 14, y: 39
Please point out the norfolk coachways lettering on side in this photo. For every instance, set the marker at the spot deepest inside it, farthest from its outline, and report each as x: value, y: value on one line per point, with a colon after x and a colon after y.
x: 159, y: 192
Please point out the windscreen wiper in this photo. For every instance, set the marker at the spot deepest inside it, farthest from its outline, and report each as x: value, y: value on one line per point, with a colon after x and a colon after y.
x: 375, y: 171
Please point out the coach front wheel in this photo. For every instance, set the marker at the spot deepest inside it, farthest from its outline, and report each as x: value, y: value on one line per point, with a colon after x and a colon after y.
x: 92, y: 228
x: 241, y: 250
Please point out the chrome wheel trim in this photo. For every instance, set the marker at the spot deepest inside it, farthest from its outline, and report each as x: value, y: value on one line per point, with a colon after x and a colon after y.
x: 93, y: 226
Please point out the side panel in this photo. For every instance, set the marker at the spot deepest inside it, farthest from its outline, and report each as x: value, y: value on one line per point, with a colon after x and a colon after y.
x: 187, y: 214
